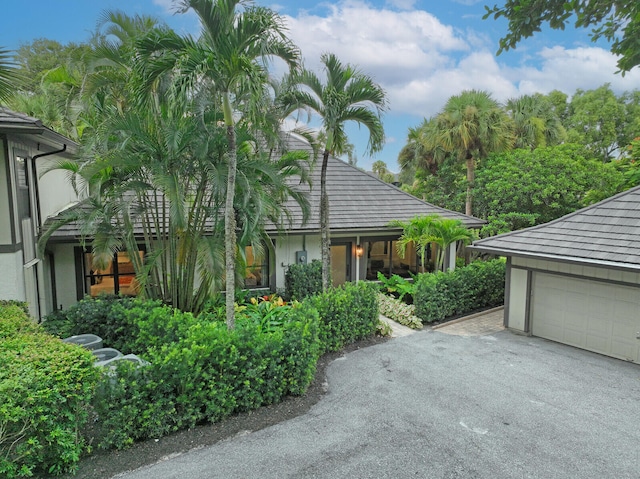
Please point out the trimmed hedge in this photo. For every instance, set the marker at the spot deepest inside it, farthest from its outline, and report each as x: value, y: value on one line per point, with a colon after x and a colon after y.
x: 441, y: 295
x: 203, y: 372
x: 303, y: 280
x: 347, y: 313
x: 46, y: 387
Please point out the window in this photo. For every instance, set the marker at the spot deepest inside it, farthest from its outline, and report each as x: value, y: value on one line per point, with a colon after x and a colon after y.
x: 117, y: 278
x: 382, y: 256
x: 257, y: 270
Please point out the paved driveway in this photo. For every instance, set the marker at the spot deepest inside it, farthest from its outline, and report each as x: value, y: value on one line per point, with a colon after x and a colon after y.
x: 433, y: 405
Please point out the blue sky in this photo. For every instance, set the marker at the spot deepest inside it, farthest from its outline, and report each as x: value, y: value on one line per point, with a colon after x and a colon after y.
x: 421, y: 52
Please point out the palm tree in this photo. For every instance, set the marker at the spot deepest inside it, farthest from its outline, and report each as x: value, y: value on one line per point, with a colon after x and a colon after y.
x: 9, y: 79
x: 424, y: 230
x: 446, y: 232
x: 228, y: 59
x: 472, y: 125
x: 419, y: 231
x: 347, y: 95
x: 535, y: 122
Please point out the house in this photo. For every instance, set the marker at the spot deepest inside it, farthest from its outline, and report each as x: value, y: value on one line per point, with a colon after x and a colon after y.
x: 362, y: 244
x: 576, y: 280
x: 27, y: 150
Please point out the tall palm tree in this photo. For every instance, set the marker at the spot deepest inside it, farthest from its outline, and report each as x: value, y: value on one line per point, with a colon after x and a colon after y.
x: 472, y: 125
x: 446, y: 232
x: 228, y: 59
x: 347, y: 95
x: 535, y: 122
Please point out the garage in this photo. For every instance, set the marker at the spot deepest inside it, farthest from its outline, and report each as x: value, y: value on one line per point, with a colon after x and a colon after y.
x: 576, y: 279
x: 588, y: 314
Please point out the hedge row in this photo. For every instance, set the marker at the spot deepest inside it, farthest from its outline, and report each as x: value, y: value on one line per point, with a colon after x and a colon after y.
x: 45, y: 389
x: 478, y: 285
x: 198, y: 370
x: 201, y: 372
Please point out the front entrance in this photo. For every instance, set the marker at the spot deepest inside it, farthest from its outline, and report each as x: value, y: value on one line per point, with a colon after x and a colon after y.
x: 340, y: 263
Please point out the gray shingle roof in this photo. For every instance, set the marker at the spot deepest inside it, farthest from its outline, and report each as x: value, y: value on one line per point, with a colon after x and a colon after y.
x: 14, y: 122
x: 607, y: 233
x: 360, y: 201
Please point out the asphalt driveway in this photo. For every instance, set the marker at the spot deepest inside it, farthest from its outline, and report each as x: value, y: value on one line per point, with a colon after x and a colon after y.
x: 433, y: 405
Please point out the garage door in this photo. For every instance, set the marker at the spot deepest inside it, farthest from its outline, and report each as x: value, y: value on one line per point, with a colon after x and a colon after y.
x: 592, y: 315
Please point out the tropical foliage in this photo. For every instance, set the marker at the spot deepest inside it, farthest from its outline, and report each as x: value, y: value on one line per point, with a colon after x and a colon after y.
x: 347, y: 95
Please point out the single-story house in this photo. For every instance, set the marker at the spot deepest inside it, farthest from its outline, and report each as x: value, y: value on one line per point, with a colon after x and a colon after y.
x: 361, y: 206
x: 576, y: 280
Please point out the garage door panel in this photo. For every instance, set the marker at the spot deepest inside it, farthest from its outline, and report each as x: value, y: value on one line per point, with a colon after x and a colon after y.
x: 597, y: 316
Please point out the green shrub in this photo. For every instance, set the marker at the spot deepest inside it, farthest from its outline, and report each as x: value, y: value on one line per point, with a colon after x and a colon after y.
x: 303, y: 280
x: 206, y: 372
x: 113, y: 318
x: 478, y: 285
x: 399, y: 311
x: 45, y: 386
x: 347, y: 313
x: 397, y: 286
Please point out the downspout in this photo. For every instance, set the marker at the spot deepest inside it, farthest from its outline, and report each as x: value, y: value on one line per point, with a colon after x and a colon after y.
x: 35, y: 180
x: 36, y: 191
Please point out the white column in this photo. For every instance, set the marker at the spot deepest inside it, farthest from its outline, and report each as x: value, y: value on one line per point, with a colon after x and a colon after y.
x: 450, y: 261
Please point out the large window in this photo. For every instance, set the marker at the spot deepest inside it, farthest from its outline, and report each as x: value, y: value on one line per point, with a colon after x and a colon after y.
x: 257, y: 271
x: 117, y: 278
x: 382, y: 256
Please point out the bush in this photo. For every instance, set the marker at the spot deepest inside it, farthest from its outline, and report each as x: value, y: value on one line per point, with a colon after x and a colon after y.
x: 347, y: 313
x: 113, y: 318
x: 303, y: 280
x: 398, y: 287
x: 45, y: 386
x: 398, y: 311
x: 206, y: 373
x: 478, y: 285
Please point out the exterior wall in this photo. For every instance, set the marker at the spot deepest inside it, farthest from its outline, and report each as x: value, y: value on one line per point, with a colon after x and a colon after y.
x: 285, y: 252
x: 12, y: 277
x: 584, y: 271
x: 65, y: 275
x: 5, y: 196
x: 56, y: 192
x: 517, y: 305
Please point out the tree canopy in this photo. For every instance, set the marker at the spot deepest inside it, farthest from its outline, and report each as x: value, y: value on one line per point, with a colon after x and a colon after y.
x: 618, y: 22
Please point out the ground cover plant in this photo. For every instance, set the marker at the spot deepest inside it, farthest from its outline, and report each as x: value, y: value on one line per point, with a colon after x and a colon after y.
x: 399, y: 311
x: 478, y: 285
x: 46, y: 386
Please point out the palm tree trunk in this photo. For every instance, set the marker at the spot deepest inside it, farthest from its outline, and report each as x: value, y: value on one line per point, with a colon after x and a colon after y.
x: 471, y: 178
x: 230, y: 221
x: 324, y: 223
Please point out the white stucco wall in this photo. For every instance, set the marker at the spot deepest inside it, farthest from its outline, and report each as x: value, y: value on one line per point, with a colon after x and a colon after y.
x: 517, y: 300
x: 65, y: 275
x: 12, y: 277
x: 56, y: 191
x: 286, y: 247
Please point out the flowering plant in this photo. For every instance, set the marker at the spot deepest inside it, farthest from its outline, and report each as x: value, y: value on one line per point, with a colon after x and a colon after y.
x: 270, y: 311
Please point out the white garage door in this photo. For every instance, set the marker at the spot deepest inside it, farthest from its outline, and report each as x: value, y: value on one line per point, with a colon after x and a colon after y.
x: 592, y: 315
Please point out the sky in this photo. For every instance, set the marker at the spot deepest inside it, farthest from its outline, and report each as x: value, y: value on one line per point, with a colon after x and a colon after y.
x: 421, y: 52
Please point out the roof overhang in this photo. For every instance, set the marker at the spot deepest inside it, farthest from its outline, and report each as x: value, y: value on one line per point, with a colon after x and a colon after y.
x: 561, y: 259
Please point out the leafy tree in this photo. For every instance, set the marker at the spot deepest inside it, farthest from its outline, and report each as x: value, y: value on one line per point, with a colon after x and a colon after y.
x: 347, y: 95
x: 470, y: 126
x: 535, y: 122
x: 597, y: 121
x: 545, y: 183
x: 380, y: 169
x: 616, y: 21
x: 228, y: 59
x: 9, y: 78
